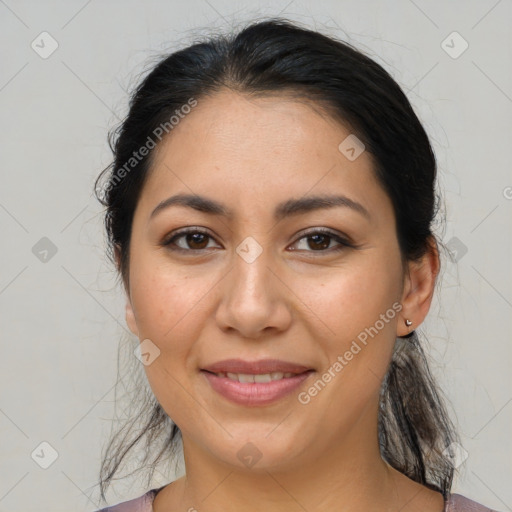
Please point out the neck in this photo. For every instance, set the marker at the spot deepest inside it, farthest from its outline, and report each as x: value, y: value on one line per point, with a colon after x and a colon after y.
x: 348, y: 475
x: 344, y: 472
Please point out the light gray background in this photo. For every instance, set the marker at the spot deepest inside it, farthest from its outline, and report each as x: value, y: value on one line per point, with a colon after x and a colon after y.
x: 62, y: 319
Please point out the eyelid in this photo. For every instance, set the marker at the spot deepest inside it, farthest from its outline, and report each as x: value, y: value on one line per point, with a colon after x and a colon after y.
x: 343, y: 241
x: 184, y: 231
x: 339, y: 237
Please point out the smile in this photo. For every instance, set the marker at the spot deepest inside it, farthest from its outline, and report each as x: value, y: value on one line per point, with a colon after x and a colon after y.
x: 253, y: 390
x: 261, y: 377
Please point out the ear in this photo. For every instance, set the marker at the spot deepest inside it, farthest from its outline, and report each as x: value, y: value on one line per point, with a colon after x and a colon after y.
x: 117, y: 256
x: 130, y: 318
x: 419, y: 288
x: 129, y: 314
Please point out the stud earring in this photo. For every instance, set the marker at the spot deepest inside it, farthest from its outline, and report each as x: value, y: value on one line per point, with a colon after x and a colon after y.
x: 408, y: 323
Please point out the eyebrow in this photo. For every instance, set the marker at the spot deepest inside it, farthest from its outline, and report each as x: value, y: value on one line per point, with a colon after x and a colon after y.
x: 282, y: 210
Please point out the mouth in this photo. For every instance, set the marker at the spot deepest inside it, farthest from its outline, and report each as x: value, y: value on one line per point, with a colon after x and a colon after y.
x: 255, y: 383
x: 261, y: 367
x: 257, y: 378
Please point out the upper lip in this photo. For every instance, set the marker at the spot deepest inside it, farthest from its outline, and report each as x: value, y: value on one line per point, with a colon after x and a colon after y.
x: 255, y: 367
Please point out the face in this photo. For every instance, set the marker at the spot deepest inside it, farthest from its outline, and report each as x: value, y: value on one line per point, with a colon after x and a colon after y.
x: 305, y: 288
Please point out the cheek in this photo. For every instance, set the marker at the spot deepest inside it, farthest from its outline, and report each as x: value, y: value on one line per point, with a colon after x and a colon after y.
x: 166, y: 301
x: 347, y: 311
x: 166, y: 313
x: 170, y: 313
x: 347, y: 301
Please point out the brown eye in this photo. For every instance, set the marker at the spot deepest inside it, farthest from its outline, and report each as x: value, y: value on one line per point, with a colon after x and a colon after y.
x: 320, y: 240
x: 196, y: 240
x: 189, y: 240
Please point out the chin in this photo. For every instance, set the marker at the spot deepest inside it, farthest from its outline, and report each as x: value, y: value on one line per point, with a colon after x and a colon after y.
x: 260, y: 451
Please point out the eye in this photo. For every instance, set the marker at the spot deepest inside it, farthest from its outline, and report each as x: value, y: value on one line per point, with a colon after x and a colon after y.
x: 320, y: 240
x: 195, y: 238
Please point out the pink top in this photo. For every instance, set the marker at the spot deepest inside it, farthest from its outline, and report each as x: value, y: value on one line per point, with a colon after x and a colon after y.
x: 455, y: 503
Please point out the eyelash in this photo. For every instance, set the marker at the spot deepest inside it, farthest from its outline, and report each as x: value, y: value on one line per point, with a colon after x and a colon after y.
x: 314, y: 231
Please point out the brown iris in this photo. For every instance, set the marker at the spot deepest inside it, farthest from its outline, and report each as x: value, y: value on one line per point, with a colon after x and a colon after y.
x: 320, y: 241
x: 194, y: 239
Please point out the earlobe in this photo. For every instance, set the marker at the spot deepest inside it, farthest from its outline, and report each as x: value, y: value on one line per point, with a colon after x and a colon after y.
x: 419, y: 290
x: 130, y: 319
x: 129, y: 315
x: 117, y: 256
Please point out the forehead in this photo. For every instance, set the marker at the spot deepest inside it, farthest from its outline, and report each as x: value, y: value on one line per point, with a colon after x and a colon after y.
x: 228, y: 126
x: 274, y: 120
x: 268, y: 147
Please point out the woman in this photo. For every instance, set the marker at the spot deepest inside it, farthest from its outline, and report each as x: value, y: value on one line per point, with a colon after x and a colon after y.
x: 269, y: 209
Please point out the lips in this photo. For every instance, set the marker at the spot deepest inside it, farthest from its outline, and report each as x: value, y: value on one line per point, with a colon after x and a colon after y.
x: 264, y: 366
x: 255, y: 383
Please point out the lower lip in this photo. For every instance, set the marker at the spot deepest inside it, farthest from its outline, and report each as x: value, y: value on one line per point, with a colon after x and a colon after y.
x: 255, y: 393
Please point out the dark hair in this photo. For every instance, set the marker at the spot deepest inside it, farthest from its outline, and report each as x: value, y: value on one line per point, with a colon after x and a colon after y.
x: 276, y: 56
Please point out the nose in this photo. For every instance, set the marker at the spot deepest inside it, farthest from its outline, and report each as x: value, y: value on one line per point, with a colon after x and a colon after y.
x: 254, y: 299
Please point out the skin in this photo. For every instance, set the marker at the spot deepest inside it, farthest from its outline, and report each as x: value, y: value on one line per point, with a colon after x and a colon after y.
x: 305, y: 306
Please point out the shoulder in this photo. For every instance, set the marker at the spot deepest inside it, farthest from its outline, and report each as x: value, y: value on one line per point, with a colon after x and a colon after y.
x: 459, y: 503
x: 141, y: 504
